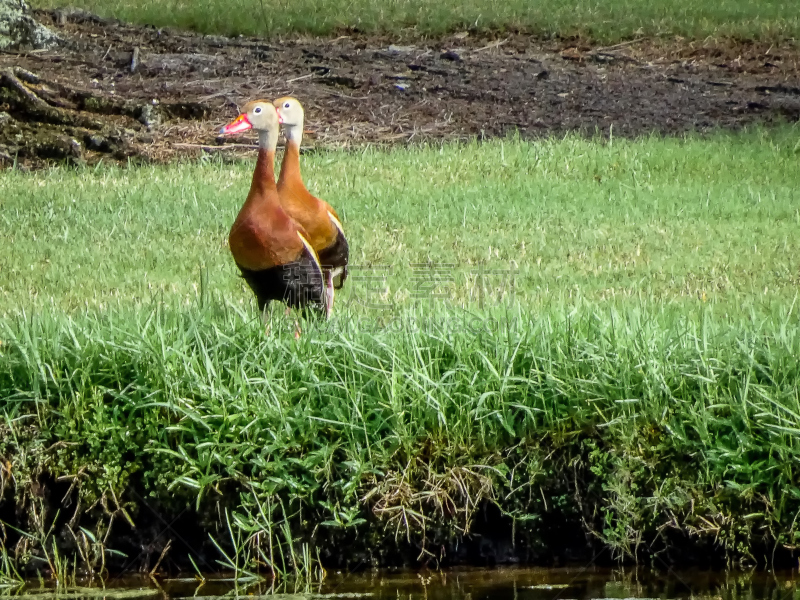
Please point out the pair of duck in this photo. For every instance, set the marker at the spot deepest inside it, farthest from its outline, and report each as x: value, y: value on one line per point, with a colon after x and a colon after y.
x: 288, y: 244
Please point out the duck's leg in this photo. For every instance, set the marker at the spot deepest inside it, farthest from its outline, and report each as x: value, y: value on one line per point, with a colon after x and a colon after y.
x: 265, y: 321
x: 328, y: 293
x: 263, y: 304
x: 297, y: 330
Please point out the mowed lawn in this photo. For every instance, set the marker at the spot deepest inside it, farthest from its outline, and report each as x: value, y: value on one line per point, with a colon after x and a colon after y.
x: 606, y: 21
x: 686, y: 222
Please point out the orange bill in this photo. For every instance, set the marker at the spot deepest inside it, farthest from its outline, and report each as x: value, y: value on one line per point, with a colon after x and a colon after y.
x: 238, y: 125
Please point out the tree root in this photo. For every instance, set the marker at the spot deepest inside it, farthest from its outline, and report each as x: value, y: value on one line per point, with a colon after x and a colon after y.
x: 11, y: 78
x: 57, y: 104
x: 42, y: 103
x: 45, y: 119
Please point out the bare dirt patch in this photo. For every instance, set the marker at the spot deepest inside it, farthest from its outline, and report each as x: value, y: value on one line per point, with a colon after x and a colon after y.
x: 118, y: 92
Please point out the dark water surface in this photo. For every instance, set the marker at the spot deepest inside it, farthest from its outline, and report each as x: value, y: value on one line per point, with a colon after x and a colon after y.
x: 462, y: 584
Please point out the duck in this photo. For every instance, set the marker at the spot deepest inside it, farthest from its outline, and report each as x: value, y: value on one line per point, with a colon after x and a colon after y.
x: 323, y: 224
x: 271, y: 249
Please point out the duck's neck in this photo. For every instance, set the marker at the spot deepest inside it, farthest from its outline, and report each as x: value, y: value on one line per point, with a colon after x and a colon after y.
x: 264, y: 173
x: 290, y: 167
x: 268, y: 140
x: 294, y: 133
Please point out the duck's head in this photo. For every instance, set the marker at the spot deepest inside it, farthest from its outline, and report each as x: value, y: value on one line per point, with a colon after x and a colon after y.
x: 290, y: 113
x: 259, y: 115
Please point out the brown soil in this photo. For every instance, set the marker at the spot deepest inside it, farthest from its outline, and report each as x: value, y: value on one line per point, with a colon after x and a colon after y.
x: 84, y: 102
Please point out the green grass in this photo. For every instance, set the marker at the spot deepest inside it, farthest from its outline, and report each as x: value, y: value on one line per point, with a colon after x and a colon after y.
x: 608, y: 21
x: 682, y: 221
x: 636, y: 374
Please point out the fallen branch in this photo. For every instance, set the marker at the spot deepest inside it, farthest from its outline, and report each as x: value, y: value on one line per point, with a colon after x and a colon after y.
x: 299, y: 78
x: 134, y: 59
x: 618, y: 46
x: 209, y: 147
x: 609, y: 57
x: 214, y: 95
x: 160, y: 558
x: 605, y: 53
x: 496, y: 44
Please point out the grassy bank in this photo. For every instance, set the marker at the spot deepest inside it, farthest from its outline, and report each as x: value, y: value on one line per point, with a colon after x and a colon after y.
x: 658, y: 432
x: 610, y: 21
x: 613, y: 352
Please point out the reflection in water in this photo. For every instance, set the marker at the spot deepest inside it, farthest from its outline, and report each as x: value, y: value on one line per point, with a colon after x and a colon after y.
x: 470, y: 584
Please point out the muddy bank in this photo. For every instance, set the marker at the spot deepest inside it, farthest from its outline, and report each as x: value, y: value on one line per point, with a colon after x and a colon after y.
x: 118, y: 92
x: 144, y: 528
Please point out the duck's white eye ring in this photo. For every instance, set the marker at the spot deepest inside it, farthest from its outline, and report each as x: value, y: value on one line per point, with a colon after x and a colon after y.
x: 287, y: 105
x: 257, y: 109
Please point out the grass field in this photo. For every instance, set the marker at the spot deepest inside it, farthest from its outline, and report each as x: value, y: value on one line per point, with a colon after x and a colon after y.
x: 638, y: 296
x: 656, y: 220
x: 609, y: 21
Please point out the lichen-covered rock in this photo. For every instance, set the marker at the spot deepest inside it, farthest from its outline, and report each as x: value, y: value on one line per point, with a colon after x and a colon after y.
x: 19, y: 29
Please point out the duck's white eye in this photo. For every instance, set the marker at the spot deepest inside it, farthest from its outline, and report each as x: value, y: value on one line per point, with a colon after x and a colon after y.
x: 286, y: 105
x: 257, y: 109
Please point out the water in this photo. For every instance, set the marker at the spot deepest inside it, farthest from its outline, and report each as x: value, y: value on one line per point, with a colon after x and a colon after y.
x: 470, y: 584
